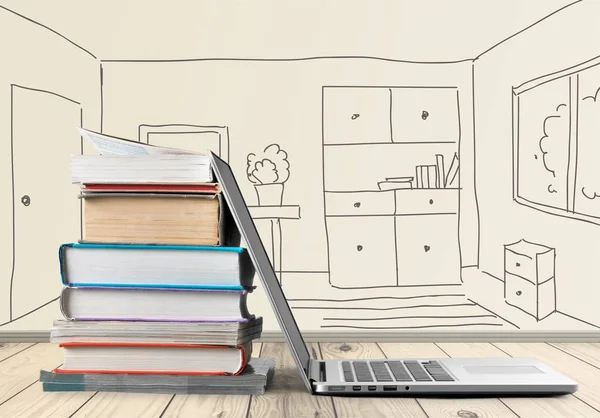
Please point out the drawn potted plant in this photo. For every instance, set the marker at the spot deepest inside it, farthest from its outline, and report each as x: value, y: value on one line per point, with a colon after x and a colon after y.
x: 269, y: 171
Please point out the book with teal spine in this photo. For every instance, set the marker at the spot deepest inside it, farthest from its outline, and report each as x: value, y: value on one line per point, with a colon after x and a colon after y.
x: 155, y: 266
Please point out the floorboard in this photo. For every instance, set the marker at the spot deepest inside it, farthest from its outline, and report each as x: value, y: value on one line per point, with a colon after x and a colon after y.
x: 22, y: 370
x: 287, y: 397
x: 8, y: 350
x: 21, y: 393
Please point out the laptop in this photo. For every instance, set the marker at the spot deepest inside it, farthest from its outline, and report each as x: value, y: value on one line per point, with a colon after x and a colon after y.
x: 378, y: 377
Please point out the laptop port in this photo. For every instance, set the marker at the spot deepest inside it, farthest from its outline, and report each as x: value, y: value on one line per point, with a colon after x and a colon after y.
x: 389, y: 388
x: 372, y: 387
x: 407, y: 388
x: 356, y: 388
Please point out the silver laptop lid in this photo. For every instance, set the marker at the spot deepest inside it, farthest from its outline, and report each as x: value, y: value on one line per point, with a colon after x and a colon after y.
x: 245, y: 224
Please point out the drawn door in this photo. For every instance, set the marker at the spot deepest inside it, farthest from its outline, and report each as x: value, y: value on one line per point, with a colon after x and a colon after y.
x: 46, y: 207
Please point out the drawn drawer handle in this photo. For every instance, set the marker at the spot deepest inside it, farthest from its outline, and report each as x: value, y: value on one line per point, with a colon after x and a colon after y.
x: 355, y: 116
x: 519, y: 293
x: 359, y: 247
x: 357, y: 204
x: 518, y: 264
x: 431, y: 201
x: 426, y: 248
x: 424, y: 115
x: 26, y: 200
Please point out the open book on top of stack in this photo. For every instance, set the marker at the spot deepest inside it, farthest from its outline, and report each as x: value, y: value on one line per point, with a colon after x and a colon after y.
x: 158, y: 284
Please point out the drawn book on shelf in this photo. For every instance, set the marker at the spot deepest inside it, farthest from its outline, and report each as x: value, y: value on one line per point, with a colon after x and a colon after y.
x: 434, y: 176
x: 253, y: 380
x: 158, y: 218
x: 153, y: 358
x: 154, y: 304
x: 214, y: 333
x: 142, y: 265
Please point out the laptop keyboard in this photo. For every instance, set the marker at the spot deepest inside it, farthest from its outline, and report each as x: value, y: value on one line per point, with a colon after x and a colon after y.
x: 398, y: 371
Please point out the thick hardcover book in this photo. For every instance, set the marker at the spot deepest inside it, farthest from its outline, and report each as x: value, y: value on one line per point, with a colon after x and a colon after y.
x: 154, y: 304
x: 212, y: 333
x: 153, y: 358
x: 128, y: 169
x: 253, y: 380
x: 164, y: 266
x: 151, y: 218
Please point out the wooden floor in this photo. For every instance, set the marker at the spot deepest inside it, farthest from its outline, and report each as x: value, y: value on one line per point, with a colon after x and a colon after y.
x: 21, y: 394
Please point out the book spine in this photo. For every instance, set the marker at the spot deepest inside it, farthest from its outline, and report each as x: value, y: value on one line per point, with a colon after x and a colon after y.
x: 441, y: 171
x: 62, y: 262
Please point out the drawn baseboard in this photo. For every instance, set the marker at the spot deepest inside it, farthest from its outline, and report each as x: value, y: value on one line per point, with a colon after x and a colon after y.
x: 404, y: 337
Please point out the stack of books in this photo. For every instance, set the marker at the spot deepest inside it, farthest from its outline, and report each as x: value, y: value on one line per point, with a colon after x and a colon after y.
x: 155, y: 292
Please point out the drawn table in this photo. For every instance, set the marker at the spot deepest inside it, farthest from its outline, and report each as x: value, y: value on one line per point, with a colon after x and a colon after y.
x: 274, y: 214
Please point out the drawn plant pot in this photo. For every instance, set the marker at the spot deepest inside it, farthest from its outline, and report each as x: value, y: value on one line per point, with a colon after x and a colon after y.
x: 269, y: 194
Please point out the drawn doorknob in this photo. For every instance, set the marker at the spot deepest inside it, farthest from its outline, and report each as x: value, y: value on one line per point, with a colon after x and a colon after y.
x: 26, y: 200
x: 359, y: 247
x: 424, y: 115
x: 357, y: 204
x: 519, y: 293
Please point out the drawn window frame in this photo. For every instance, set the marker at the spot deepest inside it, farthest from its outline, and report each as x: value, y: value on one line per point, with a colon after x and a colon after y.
x: 574, y: 103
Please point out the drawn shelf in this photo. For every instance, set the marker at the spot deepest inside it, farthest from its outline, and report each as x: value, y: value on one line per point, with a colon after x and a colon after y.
x: 391, y: 207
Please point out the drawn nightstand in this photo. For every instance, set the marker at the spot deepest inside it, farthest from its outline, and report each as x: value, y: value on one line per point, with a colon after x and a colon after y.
x: 529, y: 281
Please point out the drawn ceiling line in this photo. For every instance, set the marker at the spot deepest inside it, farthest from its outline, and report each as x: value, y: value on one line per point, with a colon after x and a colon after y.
x: 537, y: 81
x: 526, y: 28
x: 50, y: 29
x: 295, y: 59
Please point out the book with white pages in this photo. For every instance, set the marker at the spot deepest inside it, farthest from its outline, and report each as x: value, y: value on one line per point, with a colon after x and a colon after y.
x: 215, y: 333
x: 140, y: 265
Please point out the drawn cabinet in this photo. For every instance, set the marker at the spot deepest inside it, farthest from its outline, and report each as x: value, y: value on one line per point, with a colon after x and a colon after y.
x: 362, y: 252
x: 424, y: 115
x: 529, y: 282
x: 356, y: 115
x: 427, y: 249
x: 383, y: 229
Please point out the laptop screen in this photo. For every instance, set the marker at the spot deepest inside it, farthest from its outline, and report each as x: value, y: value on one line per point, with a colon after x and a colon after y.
x: 264, y: 268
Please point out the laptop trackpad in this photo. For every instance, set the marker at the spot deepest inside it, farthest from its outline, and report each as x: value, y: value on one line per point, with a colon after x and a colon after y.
x: 491, y: 370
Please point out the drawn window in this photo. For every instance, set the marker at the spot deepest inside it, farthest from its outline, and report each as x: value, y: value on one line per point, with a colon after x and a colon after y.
x: 557, y: 143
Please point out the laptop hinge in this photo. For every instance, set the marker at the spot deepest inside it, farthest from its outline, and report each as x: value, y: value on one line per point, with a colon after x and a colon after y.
x: 318, y: 371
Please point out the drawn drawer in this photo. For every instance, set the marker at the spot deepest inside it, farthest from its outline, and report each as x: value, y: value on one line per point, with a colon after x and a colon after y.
x: 425, y: 115
x: 361, y: 251
x: 520, y: 293
x: 356, y: 115
x: 415, y: 201
x: 359, y: 203
x: 520, y: 265
x: 427, y: 250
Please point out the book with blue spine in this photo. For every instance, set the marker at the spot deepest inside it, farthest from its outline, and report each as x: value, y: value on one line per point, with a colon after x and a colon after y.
x: 155, y: 266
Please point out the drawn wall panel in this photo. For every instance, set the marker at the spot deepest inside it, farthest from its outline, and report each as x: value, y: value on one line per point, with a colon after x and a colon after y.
x: 392, y: 193
x: 44, y: 94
